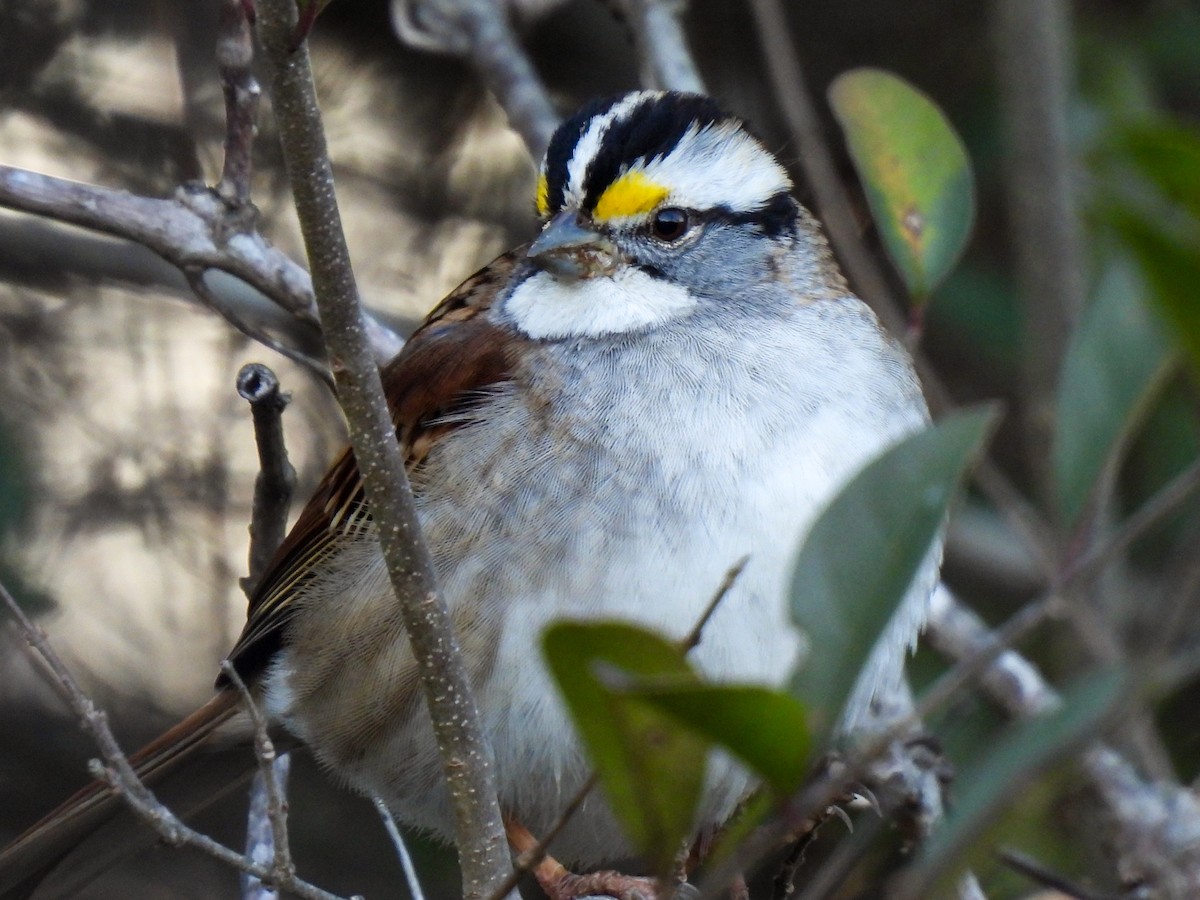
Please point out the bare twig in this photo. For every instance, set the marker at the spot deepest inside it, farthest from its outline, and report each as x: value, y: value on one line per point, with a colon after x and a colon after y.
x: 1009, y: 678
x: 275, y: 845
x: 120, y: 775
x: 466, y: 757
x: 406, y: 863
x: 195, y: 231
x: 235, y: 53
x: 691, y: 640
x: 228, y: 311
x: 1046, y: 877
x: 666, y: 62
x: 276, y: 477
x: 266, y: 827
x: 1157, y: 824
x: 481, y: 31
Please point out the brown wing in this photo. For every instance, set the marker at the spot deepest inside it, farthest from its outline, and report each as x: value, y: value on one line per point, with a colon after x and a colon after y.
x: 454, y: 356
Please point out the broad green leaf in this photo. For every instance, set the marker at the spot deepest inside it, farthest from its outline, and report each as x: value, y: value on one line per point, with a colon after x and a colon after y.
x: 1115, y: 365
x: 1170, y: 263
x: 914, y: 169
x: 651, y: 768
x: 1013, y: 763
x: 764, y: 728
x: 863, y: 552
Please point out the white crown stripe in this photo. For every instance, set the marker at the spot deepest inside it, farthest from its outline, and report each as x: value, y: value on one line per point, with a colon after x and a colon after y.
x: 590, y: 142
x: 717, y: 165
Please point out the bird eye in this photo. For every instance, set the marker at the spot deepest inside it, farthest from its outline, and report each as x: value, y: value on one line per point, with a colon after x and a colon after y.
x: 669, y: 224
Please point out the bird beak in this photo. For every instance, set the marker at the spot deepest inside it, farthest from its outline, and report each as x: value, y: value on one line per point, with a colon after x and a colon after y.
x: 570, y: 247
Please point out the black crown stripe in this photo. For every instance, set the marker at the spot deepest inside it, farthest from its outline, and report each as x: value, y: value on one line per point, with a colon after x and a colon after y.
x: 649, y: 131
x: 562, y: 146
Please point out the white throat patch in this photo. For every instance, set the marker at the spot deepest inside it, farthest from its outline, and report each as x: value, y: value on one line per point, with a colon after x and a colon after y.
x: 546, y: 307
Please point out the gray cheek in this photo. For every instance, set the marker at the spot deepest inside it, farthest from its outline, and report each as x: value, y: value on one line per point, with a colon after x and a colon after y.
x: 722, y: 263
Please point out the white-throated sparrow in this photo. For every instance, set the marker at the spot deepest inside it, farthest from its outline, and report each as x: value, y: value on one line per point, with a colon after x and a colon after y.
x: 671, y: 376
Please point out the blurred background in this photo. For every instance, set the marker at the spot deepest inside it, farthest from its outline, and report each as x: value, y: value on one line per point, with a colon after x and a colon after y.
x: 127, y: 458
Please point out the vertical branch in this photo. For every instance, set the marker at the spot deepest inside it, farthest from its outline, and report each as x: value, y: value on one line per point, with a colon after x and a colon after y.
x: 466, y: 758
x: 266, y: 823
x: 235, y: 53
x: 276, y: 477
x: 1033, y: 55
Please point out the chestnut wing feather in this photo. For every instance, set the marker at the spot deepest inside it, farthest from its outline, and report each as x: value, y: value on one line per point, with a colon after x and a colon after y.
x: 450, y: 360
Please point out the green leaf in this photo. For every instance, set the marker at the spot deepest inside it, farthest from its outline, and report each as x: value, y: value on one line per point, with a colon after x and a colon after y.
x: 766, y: 729
x: 1168, y: 154
x: 652, y: 769
x: 864, y: 551
x: 1170, y: 263
x: 1009, y: 767
x: 914, y: 169
x: 1115, y: 365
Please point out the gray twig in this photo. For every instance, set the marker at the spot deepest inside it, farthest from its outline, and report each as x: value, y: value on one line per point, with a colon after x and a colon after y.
x: 195, y: 231
x: 1157, y: 823
x: 795, y: 100
x: 124, y: 781
x: 266, y: 825
x: 787, y: 77
x: 273, y: 844
x: 227, y: 310
x: 467, y: 759
x: 481, y: 31
x: 666, y: 62
x: 258, y: 385
x: 406, y: 863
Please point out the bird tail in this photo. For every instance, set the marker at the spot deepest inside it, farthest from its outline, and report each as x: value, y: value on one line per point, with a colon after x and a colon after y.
x: 31, y: 857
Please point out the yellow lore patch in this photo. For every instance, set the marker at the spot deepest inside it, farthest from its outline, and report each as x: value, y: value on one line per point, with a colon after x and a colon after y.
x: 542, y: 197
x: 630, y: 195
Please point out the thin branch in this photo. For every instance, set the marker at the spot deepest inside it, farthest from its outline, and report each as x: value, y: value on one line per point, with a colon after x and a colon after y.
x: 795, y: 100
x: 266, y: 822
x: 275, y: 844
x: 235, y: 54
x: 1157, y: 823
x: 230, y: 313
x: 666, y: 62
x: 1046, y: 877
x: 406, y: 863
x: 195, y: 231
x: 531, y: 858
x: 691, y: 640
x: 481, y: 31
x: 466, y: 757
x: 833, y: 206
x: 120, y: 775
